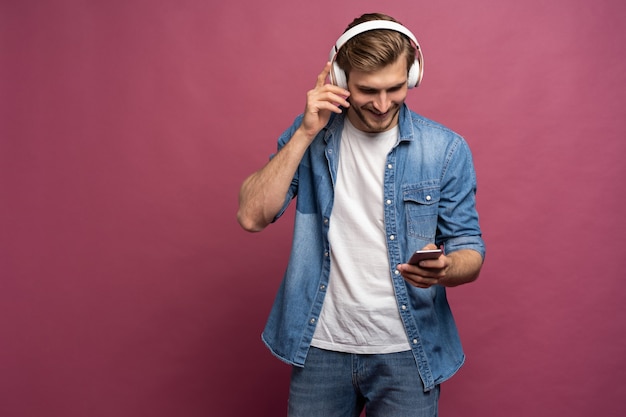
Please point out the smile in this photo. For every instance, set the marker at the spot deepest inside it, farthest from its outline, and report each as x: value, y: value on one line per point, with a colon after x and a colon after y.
x: 378, y: 115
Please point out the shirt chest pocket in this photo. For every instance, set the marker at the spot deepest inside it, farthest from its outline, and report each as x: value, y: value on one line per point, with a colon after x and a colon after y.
x: 421, y: 207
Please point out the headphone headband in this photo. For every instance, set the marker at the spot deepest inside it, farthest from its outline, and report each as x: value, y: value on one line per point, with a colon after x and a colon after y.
x: 373, y: 25
x: 415, y: 72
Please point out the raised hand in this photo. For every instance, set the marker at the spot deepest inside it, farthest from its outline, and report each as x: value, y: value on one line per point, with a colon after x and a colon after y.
x: 323, y: 99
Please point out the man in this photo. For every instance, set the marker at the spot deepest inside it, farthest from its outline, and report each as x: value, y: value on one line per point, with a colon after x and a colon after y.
x: 374, y: 183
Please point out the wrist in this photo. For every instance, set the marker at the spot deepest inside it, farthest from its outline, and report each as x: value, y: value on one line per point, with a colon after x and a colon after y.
x: 305, y: 134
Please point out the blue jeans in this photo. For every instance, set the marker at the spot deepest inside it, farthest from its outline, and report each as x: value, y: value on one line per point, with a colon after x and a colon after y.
x: 335, y: 384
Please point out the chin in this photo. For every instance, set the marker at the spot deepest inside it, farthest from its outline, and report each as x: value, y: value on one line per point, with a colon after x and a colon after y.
x: 371, y: 124
x: 376, y: 124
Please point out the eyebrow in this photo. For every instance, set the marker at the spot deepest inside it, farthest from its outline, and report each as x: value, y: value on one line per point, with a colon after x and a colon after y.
x: 373, y: 89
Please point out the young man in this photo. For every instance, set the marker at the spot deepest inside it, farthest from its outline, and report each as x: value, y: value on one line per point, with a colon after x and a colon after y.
x: 374, y: 182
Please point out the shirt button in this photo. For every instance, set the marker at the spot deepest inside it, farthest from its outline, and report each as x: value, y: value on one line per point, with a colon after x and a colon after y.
x: 322, y: 287
x: 388, y: 202
x: 396, y: 272
x: 325, y: 221
x: 392, y: 237
x: 313, y: 320
x: 326, y: 254
x: 428, y: 198
x: 415, y: 341
x: 403, y: 307
x: 389, y: 166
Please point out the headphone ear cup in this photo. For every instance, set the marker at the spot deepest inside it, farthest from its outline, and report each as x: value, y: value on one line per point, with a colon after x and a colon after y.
x: 414, y: 75
x: 339, y: 76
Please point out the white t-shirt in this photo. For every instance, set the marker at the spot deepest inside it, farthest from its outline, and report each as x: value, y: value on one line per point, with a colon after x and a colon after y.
x: 360, y: 313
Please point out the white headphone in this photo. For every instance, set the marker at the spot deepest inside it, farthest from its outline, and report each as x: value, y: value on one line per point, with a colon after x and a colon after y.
x: 338, y: 76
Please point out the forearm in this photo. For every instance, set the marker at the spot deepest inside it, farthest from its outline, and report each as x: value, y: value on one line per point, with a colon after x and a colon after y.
x: 464, y: 267
x: 263, y: 193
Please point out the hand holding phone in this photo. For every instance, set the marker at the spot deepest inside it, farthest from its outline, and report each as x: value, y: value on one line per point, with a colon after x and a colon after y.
x: 420, y: 255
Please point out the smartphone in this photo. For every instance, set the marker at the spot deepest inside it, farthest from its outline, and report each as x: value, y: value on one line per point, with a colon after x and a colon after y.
x: 420, y: 255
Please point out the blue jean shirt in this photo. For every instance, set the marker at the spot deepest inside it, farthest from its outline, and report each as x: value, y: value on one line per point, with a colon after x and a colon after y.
x: 429, y: 197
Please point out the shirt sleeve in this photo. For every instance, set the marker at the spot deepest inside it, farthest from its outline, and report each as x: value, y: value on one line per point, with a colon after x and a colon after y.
x: 458, y: 226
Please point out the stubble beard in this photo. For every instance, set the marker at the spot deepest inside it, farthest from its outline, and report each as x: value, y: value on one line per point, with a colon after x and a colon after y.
x: 384, y: 125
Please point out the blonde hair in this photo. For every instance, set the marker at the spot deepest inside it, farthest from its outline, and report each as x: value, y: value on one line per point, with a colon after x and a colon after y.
x: 374, y: 49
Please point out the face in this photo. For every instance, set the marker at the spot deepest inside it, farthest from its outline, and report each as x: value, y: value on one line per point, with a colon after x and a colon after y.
x: 376, y: 97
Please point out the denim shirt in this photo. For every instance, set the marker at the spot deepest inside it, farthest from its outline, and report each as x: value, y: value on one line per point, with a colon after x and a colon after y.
x: 429, y: 197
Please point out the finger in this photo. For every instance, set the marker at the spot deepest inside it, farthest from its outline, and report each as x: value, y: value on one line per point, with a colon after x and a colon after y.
x: 336, y: 98
x: 321, y: 79
x: 329, y: 92
x: 326, y: 105
x: 417, y: 276
x: 421, y: 283
x: 323, y: 97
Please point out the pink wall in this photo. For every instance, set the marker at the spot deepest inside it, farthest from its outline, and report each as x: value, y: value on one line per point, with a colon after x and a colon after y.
x: 128, y: 289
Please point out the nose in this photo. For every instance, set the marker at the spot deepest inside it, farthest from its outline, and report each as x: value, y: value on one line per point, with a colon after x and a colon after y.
x: 382, y: 102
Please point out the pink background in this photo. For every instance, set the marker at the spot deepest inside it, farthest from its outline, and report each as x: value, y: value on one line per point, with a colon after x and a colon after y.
x: 127, y: 287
